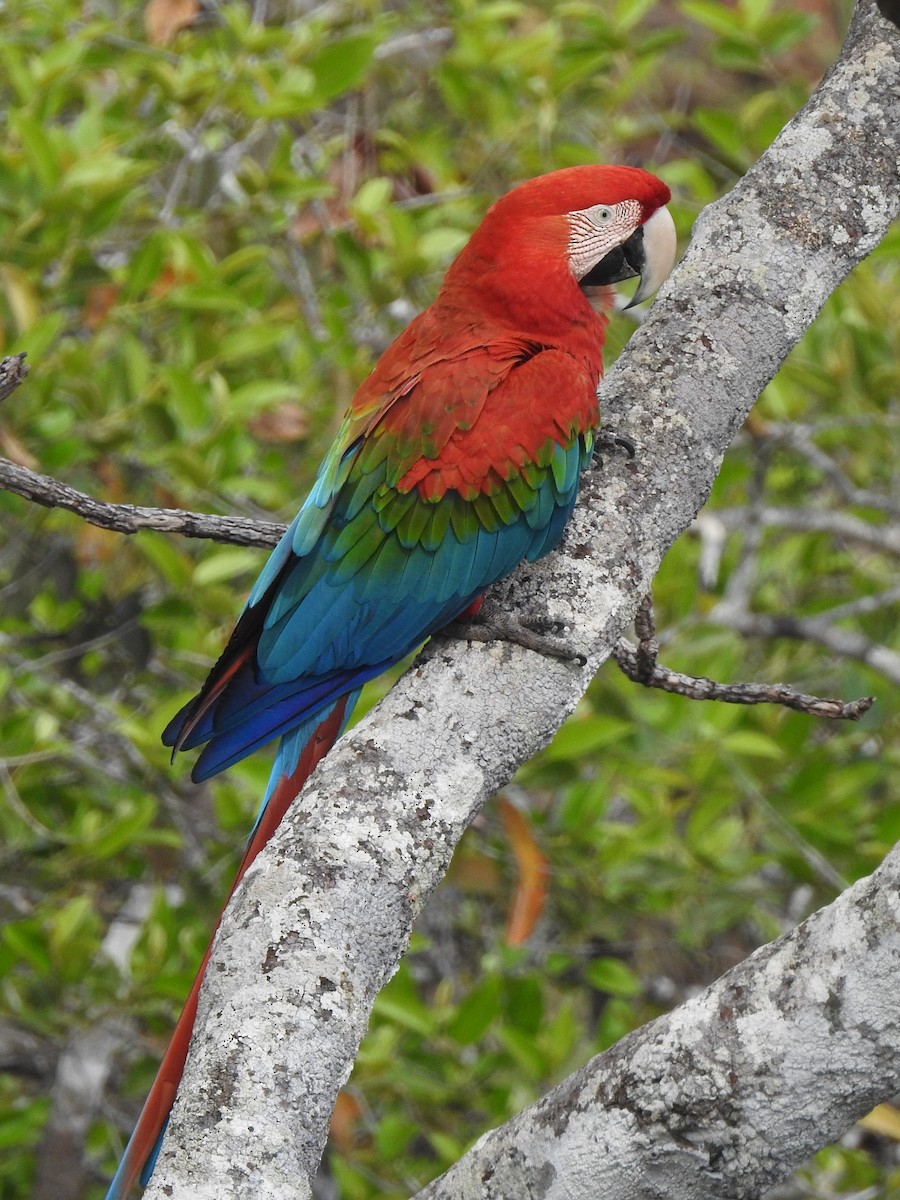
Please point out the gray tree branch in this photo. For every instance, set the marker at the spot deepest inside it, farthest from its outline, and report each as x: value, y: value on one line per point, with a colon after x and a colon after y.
x: 132, y: 518
x: 726, y: 1094
x: 324, y: 915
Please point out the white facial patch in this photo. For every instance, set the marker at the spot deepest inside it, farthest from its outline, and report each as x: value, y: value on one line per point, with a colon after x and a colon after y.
x: 596, y: 230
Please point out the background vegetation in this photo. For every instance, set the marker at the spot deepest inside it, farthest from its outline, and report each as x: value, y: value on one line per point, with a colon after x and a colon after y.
x: 211, y: 223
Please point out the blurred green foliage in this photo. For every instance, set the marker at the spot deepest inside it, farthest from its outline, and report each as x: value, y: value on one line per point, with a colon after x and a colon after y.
x: 204, y: 245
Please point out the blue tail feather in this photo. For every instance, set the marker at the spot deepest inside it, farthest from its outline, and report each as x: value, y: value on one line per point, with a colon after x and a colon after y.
x: 230, y: 746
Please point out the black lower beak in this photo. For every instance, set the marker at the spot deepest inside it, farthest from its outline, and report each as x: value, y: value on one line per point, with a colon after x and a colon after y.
x: 625, y: 262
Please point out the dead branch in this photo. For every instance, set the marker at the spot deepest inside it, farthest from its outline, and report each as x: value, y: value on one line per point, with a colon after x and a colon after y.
x: 698, y: 687
x: 132, y: 518
x: 640, y: 664
x: 800, y: 439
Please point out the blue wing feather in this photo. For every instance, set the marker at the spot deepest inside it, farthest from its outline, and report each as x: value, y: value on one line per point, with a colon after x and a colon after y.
x: 327, y: 637
x: 364, y: 574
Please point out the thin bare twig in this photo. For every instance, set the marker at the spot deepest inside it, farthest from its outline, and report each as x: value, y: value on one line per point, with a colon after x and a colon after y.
x: 131, y: 518
x: 844, y: 642
x: 839, y: 525
x: 640, y: 664
x: 25, y: 1053
x: 424, y: 47
x: 800, y: 439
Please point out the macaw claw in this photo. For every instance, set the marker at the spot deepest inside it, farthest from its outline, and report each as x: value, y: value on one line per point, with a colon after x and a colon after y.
x: 541, y: 634
x: 611, y: 443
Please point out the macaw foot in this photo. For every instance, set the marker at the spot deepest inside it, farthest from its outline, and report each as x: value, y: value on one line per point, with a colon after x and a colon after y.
x: 534, y: 633
x: 611, y: 443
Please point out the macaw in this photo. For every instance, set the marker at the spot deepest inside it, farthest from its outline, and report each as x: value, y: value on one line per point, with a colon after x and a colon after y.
x: 458, y: 458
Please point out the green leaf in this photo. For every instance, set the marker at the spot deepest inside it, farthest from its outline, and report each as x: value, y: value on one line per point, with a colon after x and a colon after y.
x: 68, y: 923
x: 524, y: 1004
x: 23, y: 1128
x: 224, y: 565
x: 525, y: 1053
x: 717, y: 17
x: 372, y: 198
x: 400, y: 1002
x: 28, y: 942
x: 129, y: 826
x: 205, y: 297
x: 16, y: 73
x: 723, y: 131
x: 579, y: 738
x: 476, y: 1013
x: 188, y: 400
x: 250, y: 342
x: 756, y: 11
x: 393, y: 1133
x: 162, y: 551
x: 103, y: 173
x: 612, y: 976
x: 261, y: 394
x: 440, y: 245
x: 38, y: 146
x: 146, y: 264
x: 753, y: 744
x: 341, y: 65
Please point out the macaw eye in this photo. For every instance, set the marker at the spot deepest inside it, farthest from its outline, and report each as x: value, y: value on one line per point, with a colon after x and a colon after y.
x: 602, y: 215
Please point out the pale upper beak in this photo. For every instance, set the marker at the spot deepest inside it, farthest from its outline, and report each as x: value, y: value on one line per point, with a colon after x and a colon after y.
x: 658, y: 257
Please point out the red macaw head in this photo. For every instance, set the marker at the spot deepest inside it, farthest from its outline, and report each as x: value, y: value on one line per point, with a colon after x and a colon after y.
x: 557, y: 239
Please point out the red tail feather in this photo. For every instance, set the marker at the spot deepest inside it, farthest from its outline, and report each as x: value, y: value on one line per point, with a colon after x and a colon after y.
x: 219, y: 678
x: 142, y: 1145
